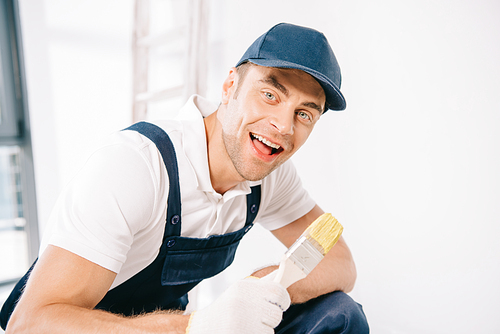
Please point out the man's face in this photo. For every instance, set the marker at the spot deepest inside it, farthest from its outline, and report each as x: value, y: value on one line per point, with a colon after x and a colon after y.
x: 269, y: 118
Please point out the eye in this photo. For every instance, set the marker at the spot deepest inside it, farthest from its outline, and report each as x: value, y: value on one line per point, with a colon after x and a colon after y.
x: 269, y: 96
x: 304, y: 115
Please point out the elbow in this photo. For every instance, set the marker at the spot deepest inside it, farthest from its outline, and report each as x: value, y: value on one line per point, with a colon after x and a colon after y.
x: 17, y: 324
x: 351, y: 277
x: 23, y: 321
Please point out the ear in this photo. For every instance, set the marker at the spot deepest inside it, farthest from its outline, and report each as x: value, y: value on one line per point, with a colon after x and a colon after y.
x: 229, y: 85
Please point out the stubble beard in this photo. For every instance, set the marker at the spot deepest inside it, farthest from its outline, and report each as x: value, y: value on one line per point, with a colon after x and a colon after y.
x: 244, y: 167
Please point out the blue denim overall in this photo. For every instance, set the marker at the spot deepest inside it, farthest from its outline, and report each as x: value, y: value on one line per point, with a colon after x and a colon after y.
x: 184, y: 262
x: 181, y: 263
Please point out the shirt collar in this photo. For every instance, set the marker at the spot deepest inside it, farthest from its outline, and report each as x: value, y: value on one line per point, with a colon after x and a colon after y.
x: 194, y: 139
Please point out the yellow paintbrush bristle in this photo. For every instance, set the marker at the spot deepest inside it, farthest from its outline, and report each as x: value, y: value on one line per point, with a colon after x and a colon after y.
x: 324, y: 232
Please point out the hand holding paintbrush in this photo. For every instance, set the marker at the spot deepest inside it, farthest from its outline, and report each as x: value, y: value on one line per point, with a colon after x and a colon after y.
x: 309, y: 249
x: 256, y: 306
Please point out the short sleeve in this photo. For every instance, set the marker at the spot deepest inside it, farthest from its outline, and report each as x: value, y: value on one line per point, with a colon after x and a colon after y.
x: 105, y: 205
x: 284, y: 198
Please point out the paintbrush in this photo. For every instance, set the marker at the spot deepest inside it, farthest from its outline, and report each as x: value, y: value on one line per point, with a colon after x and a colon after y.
x: 309, y: 249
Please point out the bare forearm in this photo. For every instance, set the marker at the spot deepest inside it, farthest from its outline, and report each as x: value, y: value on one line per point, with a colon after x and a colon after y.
x: 336, y: 272
x: 62, y: 318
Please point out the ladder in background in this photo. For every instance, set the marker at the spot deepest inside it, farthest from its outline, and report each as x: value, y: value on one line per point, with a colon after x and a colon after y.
x: 185, y: 45
x: 185, y: 40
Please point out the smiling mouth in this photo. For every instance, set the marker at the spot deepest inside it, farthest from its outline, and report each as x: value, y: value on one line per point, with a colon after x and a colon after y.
x: 265, y: 146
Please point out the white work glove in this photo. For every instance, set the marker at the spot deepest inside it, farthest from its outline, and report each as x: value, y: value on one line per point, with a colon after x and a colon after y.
x: 249, y: 306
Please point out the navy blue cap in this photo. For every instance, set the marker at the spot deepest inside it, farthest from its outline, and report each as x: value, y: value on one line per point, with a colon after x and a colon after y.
x: 290, y: 46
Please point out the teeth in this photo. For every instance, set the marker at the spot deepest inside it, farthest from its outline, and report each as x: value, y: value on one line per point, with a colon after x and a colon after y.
x: 265, y: 141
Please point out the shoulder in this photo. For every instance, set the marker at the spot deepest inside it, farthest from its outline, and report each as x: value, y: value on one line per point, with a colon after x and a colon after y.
x: 282, y: 178
x: 118, y: 193
x: 284, y: 199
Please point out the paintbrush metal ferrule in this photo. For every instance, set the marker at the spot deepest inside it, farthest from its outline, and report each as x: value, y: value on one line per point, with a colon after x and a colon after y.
x: 308, y: 250
x: 304, y: 254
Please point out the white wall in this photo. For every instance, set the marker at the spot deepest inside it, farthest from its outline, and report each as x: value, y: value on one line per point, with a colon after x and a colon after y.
x: 410, y: 169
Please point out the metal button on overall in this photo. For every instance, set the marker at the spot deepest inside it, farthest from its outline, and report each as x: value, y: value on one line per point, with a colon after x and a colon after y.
x: 164, y: 283
x: 175, y: 219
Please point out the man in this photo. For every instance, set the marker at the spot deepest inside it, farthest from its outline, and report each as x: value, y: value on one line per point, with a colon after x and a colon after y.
x: 111, y: 263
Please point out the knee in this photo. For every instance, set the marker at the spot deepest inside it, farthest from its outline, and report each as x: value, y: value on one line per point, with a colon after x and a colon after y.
x: 335, y: 312
x: 343, y: 308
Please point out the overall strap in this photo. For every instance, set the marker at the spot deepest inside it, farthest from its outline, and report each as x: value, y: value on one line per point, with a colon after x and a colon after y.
x: 173, y: 221
x: 253, y: 203
x: 162, y: 141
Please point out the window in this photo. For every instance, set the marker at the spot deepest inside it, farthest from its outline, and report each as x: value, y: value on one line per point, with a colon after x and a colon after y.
x: 18, y: 220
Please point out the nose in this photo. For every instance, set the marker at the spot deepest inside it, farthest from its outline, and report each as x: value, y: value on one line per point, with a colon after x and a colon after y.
x: 283, y: 122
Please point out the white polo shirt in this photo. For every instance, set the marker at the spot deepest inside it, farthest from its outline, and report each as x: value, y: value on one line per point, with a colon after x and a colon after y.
x: 113, y: 211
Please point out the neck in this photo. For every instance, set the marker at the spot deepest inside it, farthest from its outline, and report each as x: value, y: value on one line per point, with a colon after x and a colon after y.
x: 223, y: 175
